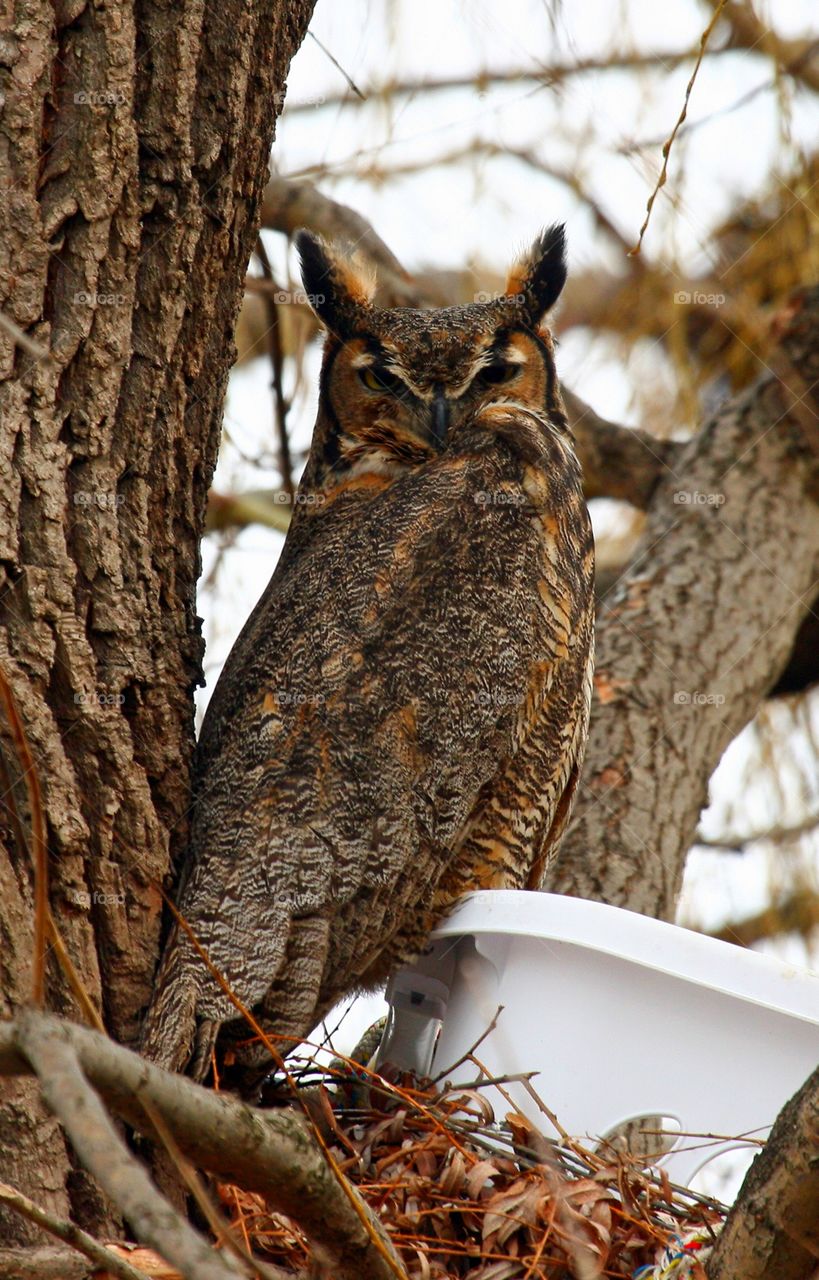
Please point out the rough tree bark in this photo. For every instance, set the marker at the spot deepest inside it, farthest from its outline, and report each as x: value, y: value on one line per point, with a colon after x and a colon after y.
x: 133, y: 154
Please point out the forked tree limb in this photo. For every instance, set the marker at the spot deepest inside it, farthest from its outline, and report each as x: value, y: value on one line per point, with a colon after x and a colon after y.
x: 269, y: 1152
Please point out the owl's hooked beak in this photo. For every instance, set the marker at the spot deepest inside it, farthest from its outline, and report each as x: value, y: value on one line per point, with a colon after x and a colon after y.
x: 439, y: 417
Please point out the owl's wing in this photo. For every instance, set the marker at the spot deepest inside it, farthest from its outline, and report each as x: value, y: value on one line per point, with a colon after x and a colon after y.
x: 386, y: 676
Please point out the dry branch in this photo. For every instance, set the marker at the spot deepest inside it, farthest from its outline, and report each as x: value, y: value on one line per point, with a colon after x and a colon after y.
x: 102, y: 1151
x: 46, y: 1262
x: 798, y: 56
x: 66, y: 1231
x: 272, y: 1153
x: 288, y: 205
x: 538, y: 77
x: 797, y: 913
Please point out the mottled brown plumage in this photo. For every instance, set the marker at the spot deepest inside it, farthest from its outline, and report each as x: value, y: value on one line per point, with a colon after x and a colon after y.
x: 403, y: 716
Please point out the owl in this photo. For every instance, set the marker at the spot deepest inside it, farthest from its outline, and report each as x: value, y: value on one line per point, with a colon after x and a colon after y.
x: 403, y: 717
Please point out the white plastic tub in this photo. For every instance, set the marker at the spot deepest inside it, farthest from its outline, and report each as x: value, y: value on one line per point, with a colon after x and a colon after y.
x: 622, y: 1017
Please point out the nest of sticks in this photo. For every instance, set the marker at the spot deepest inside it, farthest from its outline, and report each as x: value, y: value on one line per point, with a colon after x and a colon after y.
x: 462, y: 1191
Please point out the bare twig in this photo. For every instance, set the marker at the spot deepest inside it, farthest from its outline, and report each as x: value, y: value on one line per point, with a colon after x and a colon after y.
x: 795, y: 57
x: 465, y: 1057
x: 21, y: 338
x: 538, y: 77
x: 269, y: 1152
x: 32, y: 783
x: 336, y: 64
x: 69, y: 1233
x: 274, y: 340
x: 95, y: 1139
x: 738, y: 843
x: 720, y: 5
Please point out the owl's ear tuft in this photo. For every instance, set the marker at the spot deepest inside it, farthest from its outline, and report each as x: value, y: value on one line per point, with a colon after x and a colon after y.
x: 339, y: 289
x: 537, y: 279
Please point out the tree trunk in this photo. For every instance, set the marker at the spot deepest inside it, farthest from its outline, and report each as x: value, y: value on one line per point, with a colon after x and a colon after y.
x: 134, y: 151
x: 697, y: 630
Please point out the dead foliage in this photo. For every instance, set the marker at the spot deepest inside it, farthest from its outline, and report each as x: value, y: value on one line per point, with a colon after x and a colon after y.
x: 463, y: 1192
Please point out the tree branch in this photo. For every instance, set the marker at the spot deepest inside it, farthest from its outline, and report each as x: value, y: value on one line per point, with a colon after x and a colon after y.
x: 538, y: 77
x: 272, y: 1153
x: 288, y: 205
x: 798, y: 913
x: 102, y: 1151
x: 798, y: 57
x: 46, y: 1262
x: 773, y: 1228
x: 618, y: 462
x: 66, y: 1231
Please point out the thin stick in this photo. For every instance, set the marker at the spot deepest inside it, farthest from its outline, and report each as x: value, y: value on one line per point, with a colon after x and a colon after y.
x: 79, y: 1109
x: 22, y: 339
x: 337, y: 64
x: 32, y: 782
x: 669, y: 144
x: 69, y: 1233
x: 466, y: 1056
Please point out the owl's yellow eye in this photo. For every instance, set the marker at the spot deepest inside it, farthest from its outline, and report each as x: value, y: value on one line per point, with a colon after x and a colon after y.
x: 380, y: 380
x: 495, y: 374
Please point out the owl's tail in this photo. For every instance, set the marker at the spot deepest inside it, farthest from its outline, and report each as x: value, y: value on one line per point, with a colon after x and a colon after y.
x: 169, y: 1029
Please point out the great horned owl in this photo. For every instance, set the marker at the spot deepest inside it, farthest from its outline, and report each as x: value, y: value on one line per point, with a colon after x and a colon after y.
x: 403, y: 716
